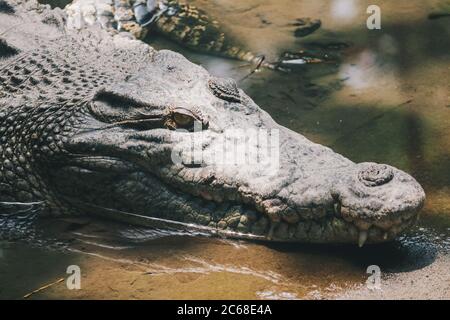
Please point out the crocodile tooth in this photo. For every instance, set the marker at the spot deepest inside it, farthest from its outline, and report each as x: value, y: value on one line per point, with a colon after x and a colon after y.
x: 385, y: 236
x: 271, y: 230
x: 337, y: 209
x: 362, y: 238
x: 292, y: 230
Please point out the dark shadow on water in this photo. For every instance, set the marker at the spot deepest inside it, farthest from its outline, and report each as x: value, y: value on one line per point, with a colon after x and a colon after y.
x: 393, y: 135
x: 56, y: 3
x: 397, y: 256
x: 24, y: 268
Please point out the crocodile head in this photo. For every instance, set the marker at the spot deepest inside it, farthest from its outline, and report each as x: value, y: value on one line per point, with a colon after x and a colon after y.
x: 137, y: 132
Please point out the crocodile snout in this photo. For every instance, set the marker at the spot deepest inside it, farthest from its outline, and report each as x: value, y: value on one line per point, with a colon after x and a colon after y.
x: 381, y: 197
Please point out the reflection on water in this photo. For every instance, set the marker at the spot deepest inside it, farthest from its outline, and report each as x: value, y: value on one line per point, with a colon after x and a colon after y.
x: 345, y: 11
x: 383, y: 97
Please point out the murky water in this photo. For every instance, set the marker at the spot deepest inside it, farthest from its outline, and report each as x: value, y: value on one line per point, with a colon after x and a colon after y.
x: 384, y: 96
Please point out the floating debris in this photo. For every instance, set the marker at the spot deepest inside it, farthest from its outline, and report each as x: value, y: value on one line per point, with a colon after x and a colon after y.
x: 43, y: 288
x: 305, y: 26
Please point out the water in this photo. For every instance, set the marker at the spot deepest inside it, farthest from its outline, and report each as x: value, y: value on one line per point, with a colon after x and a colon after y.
x: 384, y: 97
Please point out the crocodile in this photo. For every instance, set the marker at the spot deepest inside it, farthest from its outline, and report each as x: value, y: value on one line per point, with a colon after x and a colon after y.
x: 180, y: 22
x: 99, y: 124
x: 183, y: 23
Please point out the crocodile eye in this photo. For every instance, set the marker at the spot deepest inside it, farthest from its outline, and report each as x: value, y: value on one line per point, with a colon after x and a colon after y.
x: 183, y: 120
x: 225, y: 89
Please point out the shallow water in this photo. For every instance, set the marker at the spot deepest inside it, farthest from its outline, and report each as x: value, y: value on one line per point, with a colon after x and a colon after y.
x: 383, y: 97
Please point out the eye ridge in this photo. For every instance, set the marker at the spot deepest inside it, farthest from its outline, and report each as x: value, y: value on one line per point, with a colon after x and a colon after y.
x: 114, y: 100
x: 121, y: 110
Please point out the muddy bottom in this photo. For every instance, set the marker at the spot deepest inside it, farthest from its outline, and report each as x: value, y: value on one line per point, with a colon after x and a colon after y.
x: 125, y: 262
x: 382, y: 96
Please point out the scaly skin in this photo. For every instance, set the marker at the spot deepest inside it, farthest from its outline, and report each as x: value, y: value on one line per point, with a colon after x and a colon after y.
x: 193, y: 28
x: 87, y: 126
x: 185, y: 24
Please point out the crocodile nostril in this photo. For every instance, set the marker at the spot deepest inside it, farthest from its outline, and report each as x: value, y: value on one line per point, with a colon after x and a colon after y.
x: 375, y: 175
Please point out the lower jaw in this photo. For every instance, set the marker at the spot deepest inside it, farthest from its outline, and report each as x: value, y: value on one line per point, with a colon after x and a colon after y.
x: 329, y: 230
x: 332, y: 228
x: 339, y: 231
x: 234, y: 220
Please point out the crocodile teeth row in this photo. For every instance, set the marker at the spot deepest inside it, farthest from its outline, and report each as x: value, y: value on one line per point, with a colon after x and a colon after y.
x: 275, y: 218
x: 362, y: 237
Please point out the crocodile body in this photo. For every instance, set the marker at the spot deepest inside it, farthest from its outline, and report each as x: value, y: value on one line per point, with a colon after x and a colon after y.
x: 183, y: 23
x: 91, y: 122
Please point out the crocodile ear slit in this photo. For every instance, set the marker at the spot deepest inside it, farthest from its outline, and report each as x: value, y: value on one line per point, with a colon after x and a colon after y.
x: 6, y: 50
x: 225, y: 89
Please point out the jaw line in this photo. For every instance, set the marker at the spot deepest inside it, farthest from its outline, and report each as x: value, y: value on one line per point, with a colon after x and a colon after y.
x: 153, y: 222
x: 190, y: 228
x: 145, y: 220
